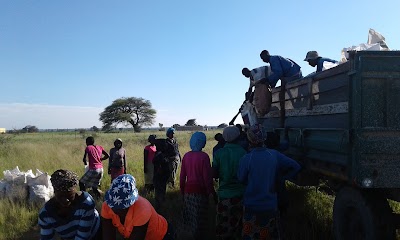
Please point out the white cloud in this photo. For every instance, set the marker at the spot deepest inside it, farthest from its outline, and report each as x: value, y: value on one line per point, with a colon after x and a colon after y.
x: 44, y: 116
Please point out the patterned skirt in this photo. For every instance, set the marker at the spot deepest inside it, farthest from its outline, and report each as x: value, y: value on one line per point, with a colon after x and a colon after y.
x: 92, y: 177
x: 115, y: 172
x: 260, y: 225
x: 229, y: 218
x: 195, y: 213
x: 148, y: 176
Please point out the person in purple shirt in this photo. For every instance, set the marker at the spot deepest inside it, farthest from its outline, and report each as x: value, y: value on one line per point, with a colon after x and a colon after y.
x: 314, y: 59
x: 259, y: 171
x: 196, y: 185
x: 282, y: 68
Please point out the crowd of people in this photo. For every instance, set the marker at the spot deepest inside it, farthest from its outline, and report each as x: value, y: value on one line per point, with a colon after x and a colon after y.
x: 247, y: 166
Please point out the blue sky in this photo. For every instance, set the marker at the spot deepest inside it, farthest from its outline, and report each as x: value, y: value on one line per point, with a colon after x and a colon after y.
x: 63, y: 62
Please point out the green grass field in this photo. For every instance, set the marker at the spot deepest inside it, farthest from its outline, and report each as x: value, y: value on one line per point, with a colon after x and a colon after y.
x: 309, y: 214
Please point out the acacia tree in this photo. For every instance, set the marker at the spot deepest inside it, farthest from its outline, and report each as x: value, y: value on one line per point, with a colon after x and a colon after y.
x: 29, y: 129
x: 191, y: 122
x: 134, y: 111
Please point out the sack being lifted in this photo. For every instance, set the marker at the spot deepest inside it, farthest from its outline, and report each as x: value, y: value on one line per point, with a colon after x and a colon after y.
x: 262, y: 97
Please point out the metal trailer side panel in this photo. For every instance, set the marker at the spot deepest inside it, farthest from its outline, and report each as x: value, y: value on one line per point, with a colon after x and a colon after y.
x: 375, y: 114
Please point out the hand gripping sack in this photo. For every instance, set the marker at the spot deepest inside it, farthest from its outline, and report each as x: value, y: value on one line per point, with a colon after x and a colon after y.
x: 262, y: 99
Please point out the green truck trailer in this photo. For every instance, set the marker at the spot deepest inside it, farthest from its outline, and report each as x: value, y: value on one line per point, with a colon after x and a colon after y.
x: 344, y: 127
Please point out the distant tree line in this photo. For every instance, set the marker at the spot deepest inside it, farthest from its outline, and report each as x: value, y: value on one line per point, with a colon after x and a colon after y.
x: 26, y: 129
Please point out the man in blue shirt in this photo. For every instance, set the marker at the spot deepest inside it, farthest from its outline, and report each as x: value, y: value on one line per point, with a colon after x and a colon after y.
x: 314, y: 59
x: 282, y: 68
x: 259, y: 170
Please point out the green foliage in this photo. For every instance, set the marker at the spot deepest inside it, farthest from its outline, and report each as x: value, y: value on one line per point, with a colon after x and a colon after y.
x: 222, y: 125
x: 29, y: 129
x: 16, y: 218
x: 191, y: 122
x: 137, y: 112
x: 6, y: 139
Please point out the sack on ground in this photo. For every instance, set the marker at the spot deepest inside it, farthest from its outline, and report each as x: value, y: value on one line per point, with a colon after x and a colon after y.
x: 3, y: 185
x: 40, y: 194
x: 16, y: 191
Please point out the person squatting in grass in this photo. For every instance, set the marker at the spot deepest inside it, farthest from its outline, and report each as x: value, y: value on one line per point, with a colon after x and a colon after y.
x: 93, y: 175
x: 70, y: 213
x: 117, y: 162
x: 196, y: 185
x: 230, y: 191
x: 148, y: 166
x: 173, y: 155
x: 259, y: 170
x: 134, y: 217
x: 161, y: 174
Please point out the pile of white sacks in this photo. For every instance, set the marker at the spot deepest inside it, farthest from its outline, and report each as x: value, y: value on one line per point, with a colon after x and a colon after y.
x: 18, y: 185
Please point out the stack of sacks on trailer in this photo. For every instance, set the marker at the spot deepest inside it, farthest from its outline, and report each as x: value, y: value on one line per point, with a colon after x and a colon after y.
x: 376, y: 42
x: 18, y: 185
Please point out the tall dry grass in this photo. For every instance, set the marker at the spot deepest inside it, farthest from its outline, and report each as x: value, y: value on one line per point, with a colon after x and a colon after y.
x: 309, y: 215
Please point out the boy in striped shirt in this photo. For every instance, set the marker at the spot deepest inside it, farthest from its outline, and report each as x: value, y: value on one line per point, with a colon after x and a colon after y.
x: 70, y: 213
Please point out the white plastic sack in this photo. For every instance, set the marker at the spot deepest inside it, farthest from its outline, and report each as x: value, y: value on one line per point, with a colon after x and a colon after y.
x: 43, y: 179
x: 38, y: 172
x: 375, y: 37
x: 16, y: 191
x: 3, y: 185
x: 259, y: 74
x: 9, y: 175
x: 40, y: 194
x: 248, y: 113
x: 327, y: 65
x: 376, y: 42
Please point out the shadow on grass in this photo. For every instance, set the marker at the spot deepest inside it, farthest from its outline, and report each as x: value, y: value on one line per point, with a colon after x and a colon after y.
x: 172, y: 211
x: 309, y: 215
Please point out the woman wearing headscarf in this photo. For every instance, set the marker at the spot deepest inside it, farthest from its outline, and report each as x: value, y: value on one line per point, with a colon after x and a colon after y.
x: 196, y: 184
x: 130, y: 214
x: 70, y: 213
x: 230, y: 190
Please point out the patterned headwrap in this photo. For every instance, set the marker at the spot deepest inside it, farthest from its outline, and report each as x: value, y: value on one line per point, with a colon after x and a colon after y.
x: 122, y: 193
x: 256, y: 134
x: 64, y: 180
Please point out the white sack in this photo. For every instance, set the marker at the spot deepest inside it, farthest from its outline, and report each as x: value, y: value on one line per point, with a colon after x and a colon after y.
x: 40, y: 194
x: 3, y: 185
x: 16, y: 191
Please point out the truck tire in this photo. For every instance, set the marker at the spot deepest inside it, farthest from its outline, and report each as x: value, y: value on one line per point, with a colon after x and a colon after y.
x: 358, y: 215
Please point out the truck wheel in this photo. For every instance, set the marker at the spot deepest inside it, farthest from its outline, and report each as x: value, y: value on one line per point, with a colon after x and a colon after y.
x: 361, y: 216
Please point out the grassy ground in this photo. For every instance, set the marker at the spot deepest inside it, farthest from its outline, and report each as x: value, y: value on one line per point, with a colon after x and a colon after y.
x: 309, y: 214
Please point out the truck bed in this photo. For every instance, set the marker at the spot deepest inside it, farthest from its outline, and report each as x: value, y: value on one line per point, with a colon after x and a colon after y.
x: 345, y: 122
